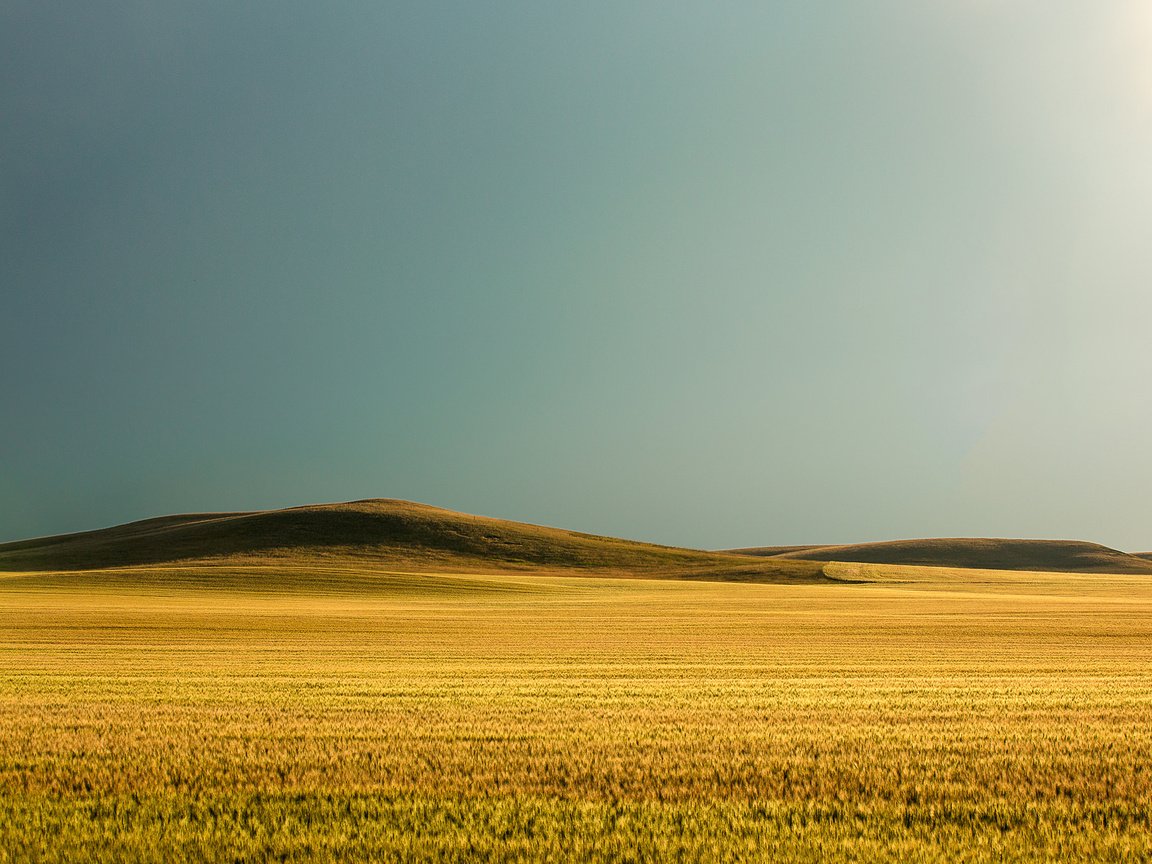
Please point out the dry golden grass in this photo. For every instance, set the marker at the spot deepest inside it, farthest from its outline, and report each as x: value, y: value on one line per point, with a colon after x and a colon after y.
x: 937, y: 716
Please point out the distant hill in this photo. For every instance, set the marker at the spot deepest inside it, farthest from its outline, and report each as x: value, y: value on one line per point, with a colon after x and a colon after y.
x: 381, y: 532
x: 1071, y: 556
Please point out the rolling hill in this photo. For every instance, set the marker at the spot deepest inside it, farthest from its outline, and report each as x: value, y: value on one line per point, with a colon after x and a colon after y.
x: 380, y: 533
x: 1069, y: 556
x: 385, y: 535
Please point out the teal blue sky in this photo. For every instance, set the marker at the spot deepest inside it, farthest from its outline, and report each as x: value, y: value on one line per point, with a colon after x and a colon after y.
x: 711, y: 274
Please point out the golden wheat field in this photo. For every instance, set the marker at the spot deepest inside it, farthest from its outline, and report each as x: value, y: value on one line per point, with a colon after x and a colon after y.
x: 921, y: 716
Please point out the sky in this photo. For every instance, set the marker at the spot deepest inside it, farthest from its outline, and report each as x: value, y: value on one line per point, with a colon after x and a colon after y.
x: 710, y: 274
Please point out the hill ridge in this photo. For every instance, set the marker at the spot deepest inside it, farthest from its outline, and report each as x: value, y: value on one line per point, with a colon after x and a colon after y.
x: 392, y: 533
x: 985, y: 553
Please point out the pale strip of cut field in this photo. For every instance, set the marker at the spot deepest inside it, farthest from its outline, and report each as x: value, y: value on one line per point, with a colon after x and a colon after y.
x: 1099, y: 586
x: 924, y: 715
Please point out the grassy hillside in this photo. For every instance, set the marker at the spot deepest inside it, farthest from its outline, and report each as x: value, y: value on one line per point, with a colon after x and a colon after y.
x: 1066, y: 556
x: 343, y: 544
x: 375, y: 534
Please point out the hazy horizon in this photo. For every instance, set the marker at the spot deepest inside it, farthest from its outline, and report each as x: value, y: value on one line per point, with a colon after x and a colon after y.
x: 710, y: 275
